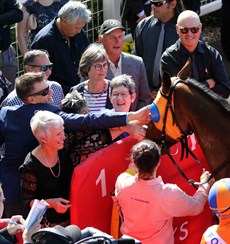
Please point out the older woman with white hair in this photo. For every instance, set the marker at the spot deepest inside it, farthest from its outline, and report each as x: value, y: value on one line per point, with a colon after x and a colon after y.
x: 46, y: 172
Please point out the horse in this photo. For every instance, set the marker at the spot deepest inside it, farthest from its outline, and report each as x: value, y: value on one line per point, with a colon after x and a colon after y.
x: 187, y: 107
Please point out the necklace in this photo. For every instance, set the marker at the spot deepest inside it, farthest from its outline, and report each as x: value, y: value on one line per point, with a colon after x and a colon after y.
x: 100, y: 94
x: 47, y: 163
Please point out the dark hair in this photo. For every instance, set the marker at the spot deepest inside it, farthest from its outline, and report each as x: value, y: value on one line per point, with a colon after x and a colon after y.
x: 24, y: 85
x: 73, y: 102
x: 145, y: 155
x: 31, y: 55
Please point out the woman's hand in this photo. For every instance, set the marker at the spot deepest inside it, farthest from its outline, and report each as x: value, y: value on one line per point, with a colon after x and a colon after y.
x: 59, y: 204
x: 136, y: 131
x: 16, y: 224
x: 204, y: 177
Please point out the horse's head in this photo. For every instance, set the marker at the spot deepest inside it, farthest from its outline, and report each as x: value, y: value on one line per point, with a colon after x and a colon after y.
x: 153, y: 131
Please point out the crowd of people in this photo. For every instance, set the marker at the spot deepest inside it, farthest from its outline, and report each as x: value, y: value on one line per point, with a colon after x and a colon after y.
x: 76, y: 97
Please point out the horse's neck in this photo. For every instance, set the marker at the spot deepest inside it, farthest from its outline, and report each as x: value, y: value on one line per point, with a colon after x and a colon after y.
x: 210, y: 126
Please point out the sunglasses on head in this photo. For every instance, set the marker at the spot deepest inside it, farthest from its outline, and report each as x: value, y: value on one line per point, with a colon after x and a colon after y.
x: 43, y: 68
x: 185, y: 30
x: 158, y: 3
x: 43, y: 92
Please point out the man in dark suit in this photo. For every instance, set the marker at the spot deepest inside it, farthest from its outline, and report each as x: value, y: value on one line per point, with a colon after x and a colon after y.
x: 133, y: 11
x: 112, y: 37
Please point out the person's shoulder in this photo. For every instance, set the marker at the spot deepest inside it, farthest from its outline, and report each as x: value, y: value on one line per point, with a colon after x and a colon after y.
x: 11, y: 100
x: 132, y: 57
x: 47, y: 32
x: 54, y: 84
x: 174, y: 48
x: 205, y: 46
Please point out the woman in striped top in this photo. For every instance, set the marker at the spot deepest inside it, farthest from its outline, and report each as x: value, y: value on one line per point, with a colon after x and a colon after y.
x: 93, y: 67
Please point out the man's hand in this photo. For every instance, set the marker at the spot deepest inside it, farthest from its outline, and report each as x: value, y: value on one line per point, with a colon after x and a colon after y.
x: 141, y: 117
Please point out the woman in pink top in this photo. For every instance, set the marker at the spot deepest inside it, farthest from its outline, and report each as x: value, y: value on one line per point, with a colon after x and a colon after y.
x: 147, y: 204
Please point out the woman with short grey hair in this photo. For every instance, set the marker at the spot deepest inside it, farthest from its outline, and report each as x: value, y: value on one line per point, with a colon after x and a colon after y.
x: 47, y: 170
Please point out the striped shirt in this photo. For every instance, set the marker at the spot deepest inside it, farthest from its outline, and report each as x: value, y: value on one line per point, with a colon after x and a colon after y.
x: 95, y: 101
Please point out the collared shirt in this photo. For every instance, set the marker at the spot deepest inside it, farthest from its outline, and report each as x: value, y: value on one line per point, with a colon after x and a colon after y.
x: 209, y: 64
x: 12, y: 99
x: 116, y: 70
x: 148, y: 207
x: 65, y: 58
x: 146, y: 40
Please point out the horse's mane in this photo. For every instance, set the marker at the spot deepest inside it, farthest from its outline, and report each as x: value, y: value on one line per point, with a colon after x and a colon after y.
x: 217, y: 99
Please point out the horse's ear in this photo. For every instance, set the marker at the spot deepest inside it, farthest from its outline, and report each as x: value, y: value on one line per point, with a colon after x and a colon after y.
x: 166, y: 83
x: 185, y: 72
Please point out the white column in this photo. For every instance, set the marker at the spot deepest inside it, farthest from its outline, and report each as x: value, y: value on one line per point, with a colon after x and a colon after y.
x: 111, y: 9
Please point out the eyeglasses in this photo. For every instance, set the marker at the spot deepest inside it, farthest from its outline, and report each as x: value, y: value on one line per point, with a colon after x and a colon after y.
x: 185, y: 30
x: 123, y: 95
x: 43, y: 92
x: 99, y: 67
x: 158, y: 3
x: 43, y: 68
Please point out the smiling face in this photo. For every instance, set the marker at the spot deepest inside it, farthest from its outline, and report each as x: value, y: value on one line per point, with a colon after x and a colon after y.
x: 188, y: 20
x: 121, y: 99
x: 40, y: 93
x: 55, y: 138
x: 113, y: 42
x: 98, y: 71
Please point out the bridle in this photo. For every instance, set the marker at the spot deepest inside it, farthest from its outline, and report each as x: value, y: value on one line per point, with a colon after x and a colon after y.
x: 183, y: 139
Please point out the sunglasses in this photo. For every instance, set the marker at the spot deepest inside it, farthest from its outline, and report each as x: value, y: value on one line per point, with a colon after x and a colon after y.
x: 40, y: 93
x: 43, y: 68
x: 185, y: 30
x: 99, y: 67
x: 158, y: 3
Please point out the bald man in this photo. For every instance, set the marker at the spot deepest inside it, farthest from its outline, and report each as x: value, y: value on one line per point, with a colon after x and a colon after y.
x: 207, y: 65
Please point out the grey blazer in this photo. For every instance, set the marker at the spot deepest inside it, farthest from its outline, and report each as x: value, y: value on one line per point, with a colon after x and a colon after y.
x: 134, y: 66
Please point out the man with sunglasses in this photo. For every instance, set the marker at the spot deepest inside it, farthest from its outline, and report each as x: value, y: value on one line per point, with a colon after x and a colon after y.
x: 147, y: 36
x: 37, y: 61
x: 207, y: 64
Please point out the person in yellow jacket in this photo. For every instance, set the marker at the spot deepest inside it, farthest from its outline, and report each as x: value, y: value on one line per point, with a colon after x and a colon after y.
x: 219, y: 203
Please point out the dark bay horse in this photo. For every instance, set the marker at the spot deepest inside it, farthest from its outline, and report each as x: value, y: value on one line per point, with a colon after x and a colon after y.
x: 194, y: 108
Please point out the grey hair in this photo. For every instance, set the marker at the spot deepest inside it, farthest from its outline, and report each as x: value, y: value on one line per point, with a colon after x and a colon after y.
x: 95, y: 52
x: 122, y: 80
x: 73, y: 11
x: 43, y: 121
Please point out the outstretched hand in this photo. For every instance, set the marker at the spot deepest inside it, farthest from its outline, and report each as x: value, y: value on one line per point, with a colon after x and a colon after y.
x: 142, y: 116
